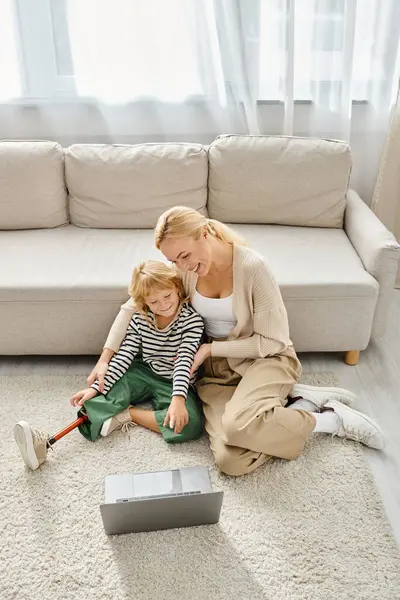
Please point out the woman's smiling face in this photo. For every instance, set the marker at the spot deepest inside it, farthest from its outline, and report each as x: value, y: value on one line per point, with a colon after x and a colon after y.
x: 188, y: 253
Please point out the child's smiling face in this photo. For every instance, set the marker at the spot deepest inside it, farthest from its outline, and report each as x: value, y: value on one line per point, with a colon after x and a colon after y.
x: 164, y: 303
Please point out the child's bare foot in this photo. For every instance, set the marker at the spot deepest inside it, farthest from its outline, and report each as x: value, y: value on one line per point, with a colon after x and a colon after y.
x: 117, y: 422
x: 32, y: 444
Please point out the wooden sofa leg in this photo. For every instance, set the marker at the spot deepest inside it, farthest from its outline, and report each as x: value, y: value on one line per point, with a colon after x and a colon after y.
x: 352, y: 357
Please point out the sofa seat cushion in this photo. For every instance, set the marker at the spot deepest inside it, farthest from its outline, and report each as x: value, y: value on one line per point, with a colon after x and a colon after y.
x: 329, y: 296
x: 71, y: 263
x: 60, y: 290
x: 311, y: 262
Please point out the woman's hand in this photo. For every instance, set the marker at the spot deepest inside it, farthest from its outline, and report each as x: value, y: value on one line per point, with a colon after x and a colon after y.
x: 177, y: 415
x: 99, y: 371
x: 80, y: 397
x: 202, y: 353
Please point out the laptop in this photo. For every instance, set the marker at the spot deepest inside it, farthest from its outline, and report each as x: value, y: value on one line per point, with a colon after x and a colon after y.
x: 135, y: 502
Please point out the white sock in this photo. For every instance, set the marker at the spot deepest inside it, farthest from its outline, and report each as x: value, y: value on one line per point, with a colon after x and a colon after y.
x: 327, y: 422
x: 303, y: 404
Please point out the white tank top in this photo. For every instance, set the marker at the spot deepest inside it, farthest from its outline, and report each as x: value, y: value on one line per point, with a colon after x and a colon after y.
x: 217, y: 313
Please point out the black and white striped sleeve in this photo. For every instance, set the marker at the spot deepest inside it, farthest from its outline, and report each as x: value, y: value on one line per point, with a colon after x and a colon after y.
x: 122, y: 360
x: 191, y: 337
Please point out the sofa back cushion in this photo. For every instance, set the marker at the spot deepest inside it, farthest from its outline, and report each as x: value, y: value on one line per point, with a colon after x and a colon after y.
x: 278, y: 180
x: 131, y: 186
x: 32, y: 190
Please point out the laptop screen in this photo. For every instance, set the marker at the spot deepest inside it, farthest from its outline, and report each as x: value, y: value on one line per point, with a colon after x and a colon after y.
x: 129, y: 486
x: 161, y: 483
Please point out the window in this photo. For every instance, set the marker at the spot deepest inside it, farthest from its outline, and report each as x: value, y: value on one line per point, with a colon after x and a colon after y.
x: 135, y: 49
x: 41, y: 32
x: 324, y: 39
x: 171, y: 50
x: 113, y: 50
x: 10, y: 81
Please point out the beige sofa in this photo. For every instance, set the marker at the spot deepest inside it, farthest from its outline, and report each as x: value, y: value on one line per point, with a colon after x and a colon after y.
x: 75, y: 221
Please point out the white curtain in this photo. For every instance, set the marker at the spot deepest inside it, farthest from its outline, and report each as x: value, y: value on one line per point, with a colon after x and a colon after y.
x: 126, y: 71
x: 180, y: 53
x: 335, y: 73
x: 386, y: 198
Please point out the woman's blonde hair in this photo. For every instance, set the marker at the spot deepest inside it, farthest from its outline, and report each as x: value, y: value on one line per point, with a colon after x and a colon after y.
x: 153, y: 276
x: 181, y: 221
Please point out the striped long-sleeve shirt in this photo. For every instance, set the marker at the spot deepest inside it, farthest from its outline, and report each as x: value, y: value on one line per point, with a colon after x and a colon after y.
x: 169, y: 352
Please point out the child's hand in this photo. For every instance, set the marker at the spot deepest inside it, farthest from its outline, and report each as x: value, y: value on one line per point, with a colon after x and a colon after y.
x: 80, y: 397
x: 177, y: 415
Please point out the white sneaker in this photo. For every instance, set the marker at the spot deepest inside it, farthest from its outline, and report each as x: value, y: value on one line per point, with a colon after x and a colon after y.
x: 32, y: 444
x: 117, y: 422
x: 319, y: 396
x: 356, y: 426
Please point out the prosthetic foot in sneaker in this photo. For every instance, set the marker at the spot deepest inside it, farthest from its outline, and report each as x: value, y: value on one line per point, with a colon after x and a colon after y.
x: 32, y: 444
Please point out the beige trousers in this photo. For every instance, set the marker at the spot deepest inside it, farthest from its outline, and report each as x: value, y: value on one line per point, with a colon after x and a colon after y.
x: 245, y: 416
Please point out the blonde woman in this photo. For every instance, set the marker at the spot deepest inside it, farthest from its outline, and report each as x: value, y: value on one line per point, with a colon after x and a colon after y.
x: 250, y: 365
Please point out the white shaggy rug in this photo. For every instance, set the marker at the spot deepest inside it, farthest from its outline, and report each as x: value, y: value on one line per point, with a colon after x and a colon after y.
x: 310, y: 529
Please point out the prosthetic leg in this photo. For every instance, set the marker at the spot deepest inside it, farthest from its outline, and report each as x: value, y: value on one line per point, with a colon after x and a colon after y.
x: 54, y: 438
x: 34, y: 443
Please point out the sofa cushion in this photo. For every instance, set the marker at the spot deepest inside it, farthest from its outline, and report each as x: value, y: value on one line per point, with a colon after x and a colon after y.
x: 131, y: 186
x: 281, y: 180
x: 88, y: 264
x: 72, y: 263
x: 311, y: 262
x: 32, y: 190
x: 329, y: 296
x: 63, y: 288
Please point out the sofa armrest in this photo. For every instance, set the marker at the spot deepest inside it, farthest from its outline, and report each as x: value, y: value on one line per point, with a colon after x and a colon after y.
x: 378, y: 251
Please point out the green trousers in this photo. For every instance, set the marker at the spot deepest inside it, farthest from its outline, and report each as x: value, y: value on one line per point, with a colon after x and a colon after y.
x: 140, y: 384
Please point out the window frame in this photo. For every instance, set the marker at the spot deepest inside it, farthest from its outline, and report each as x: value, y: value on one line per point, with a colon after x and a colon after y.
x: 38, y: 61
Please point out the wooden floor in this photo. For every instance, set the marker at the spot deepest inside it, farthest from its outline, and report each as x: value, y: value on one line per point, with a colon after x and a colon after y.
x: 376, y: 379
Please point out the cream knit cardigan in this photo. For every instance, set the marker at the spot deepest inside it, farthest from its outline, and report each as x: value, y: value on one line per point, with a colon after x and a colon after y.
x: 262, y: 327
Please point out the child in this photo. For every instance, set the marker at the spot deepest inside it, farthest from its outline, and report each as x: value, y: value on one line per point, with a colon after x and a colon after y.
x: 166, y: 331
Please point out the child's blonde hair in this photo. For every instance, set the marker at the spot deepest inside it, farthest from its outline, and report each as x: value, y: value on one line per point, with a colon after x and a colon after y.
x: 181, y: 221
x: 153, y: 276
